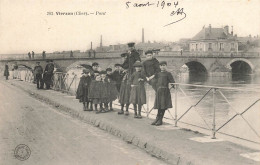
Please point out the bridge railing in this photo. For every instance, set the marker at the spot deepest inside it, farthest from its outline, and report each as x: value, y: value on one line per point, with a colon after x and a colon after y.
x: 93, y: 54
x: 215, y: 104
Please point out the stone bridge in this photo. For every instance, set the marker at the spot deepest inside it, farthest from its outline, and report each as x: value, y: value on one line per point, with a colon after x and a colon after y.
x: 211, y: 64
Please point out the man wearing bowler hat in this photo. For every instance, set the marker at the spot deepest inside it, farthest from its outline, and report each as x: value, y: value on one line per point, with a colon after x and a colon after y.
x: 38, y: 74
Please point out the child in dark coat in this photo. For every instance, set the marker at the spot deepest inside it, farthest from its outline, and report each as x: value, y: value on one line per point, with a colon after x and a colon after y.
x: 137, y: 95
x: 124, y: 94
x: 104, y: 91
x: 112, y: 89
x: 83, y: 87
x: 163, y: 99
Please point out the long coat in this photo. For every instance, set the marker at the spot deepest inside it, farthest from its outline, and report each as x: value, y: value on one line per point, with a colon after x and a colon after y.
x: 125, y: 89
x: 132, y: 57
x: 83, y: 89
x: 117, y: 76
x: 163, y: 96
x: 111, y: 88
x: 6, y: 71
x: 138, y: 95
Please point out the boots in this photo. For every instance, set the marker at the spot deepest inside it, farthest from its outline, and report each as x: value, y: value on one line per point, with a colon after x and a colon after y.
x: 84, y: 107
x: 156, y: 120
x: 122, y: 110
x: 160, y: 120
x: 139, y: 112
x: 135, y: 109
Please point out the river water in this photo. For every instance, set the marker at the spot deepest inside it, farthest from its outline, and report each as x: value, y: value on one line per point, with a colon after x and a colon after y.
x: 245, y: 91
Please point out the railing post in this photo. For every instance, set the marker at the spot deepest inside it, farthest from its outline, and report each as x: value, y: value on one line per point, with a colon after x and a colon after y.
x: 214, y: 115
x: 176, y: 100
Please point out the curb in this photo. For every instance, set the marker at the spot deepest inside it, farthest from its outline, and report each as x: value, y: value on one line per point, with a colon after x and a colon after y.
x: 129, y: 137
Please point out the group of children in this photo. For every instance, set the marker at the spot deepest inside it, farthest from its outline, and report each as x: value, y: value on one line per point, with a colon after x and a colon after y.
x: 104, y: 87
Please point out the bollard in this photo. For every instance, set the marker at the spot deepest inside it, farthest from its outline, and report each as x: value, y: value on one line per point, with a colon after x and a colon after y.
x: 214, y: 115
x: 176, y: 95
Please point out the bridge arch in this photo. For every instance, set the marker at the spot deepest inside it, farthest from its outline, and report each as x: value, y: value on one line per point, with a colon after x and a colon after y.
x: 240, y: 65
x: 196, y: 67
x: 76, y: 64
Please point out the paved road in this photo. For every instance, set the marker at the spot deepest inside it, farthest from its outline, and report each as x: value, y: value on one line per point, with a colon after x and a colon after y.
x: 55, y: 138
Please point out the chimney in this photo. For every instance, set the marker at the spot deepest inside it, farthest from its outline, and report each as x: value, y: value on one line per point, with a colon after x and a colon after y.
x: 91, y: 45
x: 209, y: 28
x: 142, y: 35
x: 226, y: 30
x: 232, y: 30
x: 101, y: 42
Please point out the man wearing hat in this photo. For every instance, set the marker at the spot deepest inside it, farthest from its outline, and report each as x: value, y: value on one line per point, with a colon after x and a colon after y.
x: 131, y: 58
x: 48, y: 73
x: 118, y: 76
x: 38, y: 74
x: 163, y: 99
x: 83, y: 88
x: 151, y: 68
x: 95, y: 67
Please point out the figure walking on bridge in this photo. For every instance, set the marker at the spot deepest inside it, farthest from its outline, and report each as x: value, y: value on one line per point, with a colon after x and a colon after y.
x: 38, y: 71
x: 163, y: 99
x: 29, y: 55
x: 32, y: 54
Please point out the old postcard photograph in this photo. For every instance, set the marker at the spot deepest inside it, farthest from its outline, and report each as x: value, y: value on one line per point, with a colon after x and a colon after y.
x: 130, y: 82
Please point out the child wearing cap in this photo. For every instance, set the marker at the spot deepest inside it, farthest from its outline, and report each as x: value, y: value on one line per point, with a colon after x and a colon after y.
x: 83, y: 88
x: 137, y: 95
x: 112, y: 90
x: 124, y: 93
x: 163, y: 99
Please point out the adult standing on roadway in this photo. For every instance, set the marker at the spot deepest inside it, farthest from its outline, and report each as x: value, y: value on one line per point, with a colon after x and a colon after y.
x: 131, y: 58
x: 48, y: 73
x: 6, y: 71
x: 38, y: 74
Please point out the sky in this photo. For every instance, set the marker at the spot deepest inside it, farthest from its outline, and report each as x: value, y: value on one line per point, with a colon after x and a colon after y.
x: 25, y: 25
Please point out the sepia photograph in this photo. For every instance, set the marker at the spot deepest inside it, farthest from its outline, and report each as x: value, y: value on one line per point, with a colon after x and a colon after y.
x: 130, y: 82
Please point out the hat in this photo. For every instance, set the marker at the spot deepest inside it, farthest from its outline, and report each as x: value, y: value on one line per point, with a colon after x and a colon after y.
x: 86, y: 71
x: 131, y: 44
x: 123, y: 54
x: 118, y: 65
x: 163, y: 63
x: 37, y: 62
x: 95, y: 64
x: 96, y: 71
x: 137, y: 64
x: 108, y: 69
x: 156, y: 50
x: 103, y: 72
x: 148, y: 52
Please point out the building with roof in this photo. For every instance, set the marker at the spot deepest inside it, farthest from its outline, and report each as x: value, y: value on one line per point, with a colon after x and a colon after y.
x: 214, y: 40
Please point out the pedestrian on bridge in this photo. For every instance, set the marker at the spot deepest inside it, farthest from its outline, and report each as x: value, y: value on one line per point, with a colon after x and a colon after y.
x: 38, y: 71
x: 32, y: 54
x: 29, y: 55
x: 163, y: 99
x: 6, y: 71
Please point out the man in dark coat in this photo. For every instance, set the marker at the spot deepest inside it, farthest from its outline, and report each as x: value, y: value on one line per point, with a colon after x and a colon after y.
x: 117, y: 76
x: 151, y: 68
x: 163, y: 99
x: 32, y: 54
x: 29, y: 55
x: 131, y: 58
x: 48, y: 73
x: 83, y: 90
x: 38, y: 74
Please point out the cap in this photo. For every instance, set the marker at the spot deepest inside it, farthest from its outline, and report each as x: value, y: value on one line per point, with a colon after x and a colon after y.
x: 103, y: 72
x: 96, y: 71
x: 108, y: 69
x: 86, y: 71
x: 137, y: 64
x: 95, y: 64
x: 148, y: 52
x: 163, y: 63
x: 123, y: 54
x: 37, y: 62
x: 131, y: 44
x: 118, y: 65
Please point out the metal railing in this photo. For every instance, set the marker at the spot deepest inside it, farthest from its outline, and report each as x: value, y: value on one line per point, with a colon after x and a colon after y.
x: 210, y: 90
x: 61, y: 82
